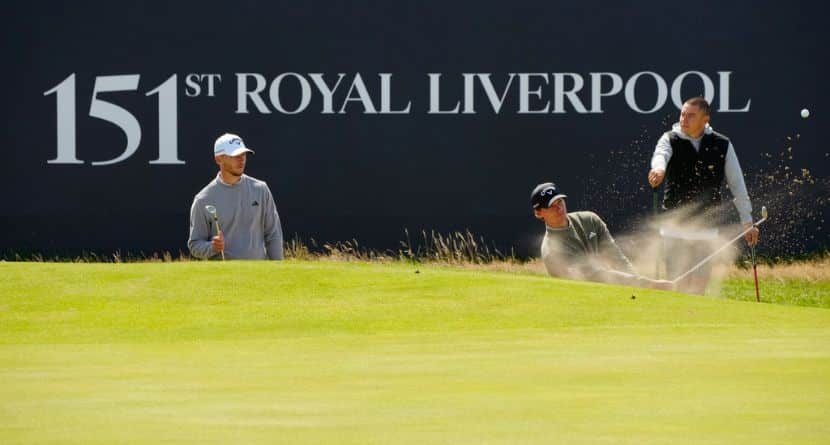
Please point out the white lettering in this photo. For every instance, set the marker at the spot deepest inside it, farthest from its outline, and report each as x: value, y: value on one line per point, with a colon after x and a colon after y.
x: 677, y: 85
x: 596, y: 89
x: 210, y: 78
x: 242, y: 93
x: 469, y: 93
x: 723, y: 77
x: 435, y: 96
x: 496, y: 101
x: 192, y: 87
x: 327, y: 92
x: 305, y: 89
x: 362, y: 96
x: 168, y: 123
x: 386, y: 96
x: 631, y: 85
x: 65, y: 92
x: 525, y: 92
x: 560, y: 93
x: 115, y: 114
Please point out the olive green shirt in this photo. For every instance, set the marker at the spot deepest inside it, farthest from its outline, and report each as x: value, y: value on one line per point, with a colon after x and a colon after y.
x: 585, y: 250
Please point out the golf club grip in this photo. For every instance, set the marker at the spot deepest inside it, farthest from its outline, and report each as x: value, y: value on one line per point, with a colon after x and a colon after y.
x: 219, y: 232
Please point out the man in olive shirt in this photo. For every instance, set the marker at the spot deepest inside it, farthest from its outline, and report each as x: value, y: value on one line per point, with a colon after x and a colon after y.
x: 578, y: 245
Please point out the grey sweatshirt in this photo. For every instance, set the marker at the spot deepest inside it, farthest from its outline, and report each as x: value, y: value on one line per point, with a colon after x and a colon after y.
x: 732, y: 169
x: 247, y: 216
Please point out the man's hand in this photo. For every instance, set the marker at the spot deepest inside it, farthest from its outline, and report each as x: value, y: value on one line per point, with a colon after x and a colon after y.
x: 655, y: 177
x: 751, y: 236
x: 218, y: 242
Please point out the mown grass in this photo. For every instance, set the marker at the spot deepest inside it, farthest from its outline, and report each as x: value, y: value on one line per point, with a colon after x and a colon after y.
x: 799, y: 283
x: 355, y: 352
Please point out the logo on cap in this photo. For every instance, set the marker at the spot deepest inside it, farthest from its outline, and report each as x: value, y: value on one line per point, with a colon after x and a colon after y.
x: 230, y: 145
x: 544, y: 194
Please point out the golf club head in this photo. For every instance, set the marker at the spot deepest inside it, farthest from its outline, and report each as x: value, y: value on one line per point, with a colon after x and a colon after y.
x: 764, y: 213
x: 212, y: 210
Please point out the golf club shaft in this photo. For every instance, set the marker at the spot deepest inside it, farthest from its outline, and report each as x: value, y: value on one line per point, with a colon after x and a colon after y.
x: 755, y: 274
x: 219, y: 232
x: 655, y: 198
x: 757, y: 291
x: 713, y: 254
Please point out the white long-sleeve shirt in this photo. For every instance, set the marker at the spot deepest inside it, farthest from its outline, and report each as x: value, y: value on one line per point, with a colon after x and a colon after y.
x: 732, y: 169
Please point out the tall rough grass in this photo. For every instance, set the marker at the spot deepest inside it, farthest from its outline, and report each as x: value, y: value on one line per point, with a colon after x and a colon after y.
x: 461, y: 248
x: 451, y: 248
x: 813, y: 269
x: 457, y: 248
x: 95, y: 257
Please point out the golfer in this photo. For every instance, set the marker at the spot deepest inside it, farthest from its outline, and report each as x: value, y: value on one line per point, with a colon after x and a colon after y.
x: 693, y: 161
x: 579, y: 246
x: 247, y: 216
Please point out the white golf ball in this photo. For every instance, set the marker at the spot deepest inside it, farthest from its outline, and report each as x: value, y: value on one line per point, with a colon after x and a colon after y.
x: 805, y: 113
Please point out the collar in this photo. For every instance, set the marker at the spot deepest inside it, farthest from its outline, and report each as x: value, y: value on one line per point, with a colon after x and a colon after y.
x: 567, y: 226
x: 219, y: 180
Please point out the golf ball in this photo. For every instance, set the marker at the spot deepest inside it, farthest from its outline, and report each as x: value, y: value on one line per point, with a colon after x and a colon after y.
x: 805, y: 113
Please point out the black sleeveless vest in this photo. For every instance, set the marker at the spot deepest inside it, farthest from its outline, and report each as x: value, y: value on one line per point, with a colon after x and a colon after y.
x: 695, y: 177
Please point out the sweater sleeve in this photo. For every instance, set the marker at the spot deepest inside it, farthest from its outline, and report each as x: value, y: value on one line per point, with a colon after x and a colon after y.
x: 272, y: 228
x: 587, y: 269
x: 617, y: 277
x: 662, y: 153
x: 199, y: 240
x: 737, y: 186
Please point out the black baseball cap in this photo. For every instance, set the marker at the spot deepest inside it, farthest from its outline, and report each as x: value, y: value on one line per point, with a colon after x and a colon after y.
x: 544, y: 195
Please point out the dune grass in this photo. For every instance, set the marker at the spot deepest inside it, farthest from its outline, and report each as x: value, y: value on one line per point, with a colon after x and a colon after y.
x: 801, y: 283
x: 351, y: 352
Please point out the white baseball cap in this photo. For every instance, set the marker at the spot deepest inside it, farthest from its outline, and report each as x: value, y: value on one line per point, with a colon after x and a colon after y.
x: 230, y: 145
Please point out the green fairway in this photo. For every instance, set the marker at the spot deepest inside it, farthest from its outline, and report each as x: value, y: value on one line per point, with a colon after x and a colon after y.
x: 337, y: 352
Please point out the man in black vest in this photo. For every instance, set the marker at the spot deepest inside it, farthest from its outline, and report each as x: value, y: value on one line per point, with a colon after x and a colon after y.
x: 694, y: 160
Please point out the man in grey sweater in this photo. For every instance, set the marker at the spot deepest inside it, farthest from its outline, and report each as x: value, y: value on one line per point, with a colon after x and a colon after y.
x: 578, y: 245
x: 245, y: 209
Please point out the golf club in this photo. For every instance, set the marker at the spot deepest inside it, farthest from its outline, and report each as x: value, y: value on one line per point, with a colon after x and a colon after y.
x: 755, y: 273
x: 212, y: 211
x: 720, y: 249
x: 655, y: 202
